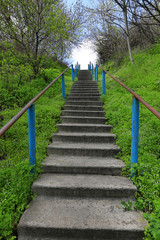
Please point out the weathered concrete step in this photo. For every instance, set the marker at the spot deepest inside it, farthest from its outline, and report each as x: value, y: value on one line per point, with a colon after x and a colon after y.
x: 83, y: 113
x: 84, y: 94
x: 50, y: 218
x: 84, y: 78
x: 84, y: 185
x: 83, y: 98
x: 86, y: 103
x: 85, y: 88
x: 86, y: 85
x: 83, y: 149
x: 79, y: 107
x: 84, y: 137
x: 85, y: 81
x: 90, y: 82
x: 86, y: 73
x: 84, y: 127
x: 83, y: 165
x: 83, y: 119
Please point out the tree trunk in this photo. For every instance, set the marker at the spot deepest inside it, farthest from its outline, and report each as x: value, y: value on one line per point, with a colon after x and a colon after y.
x: 127, y: 34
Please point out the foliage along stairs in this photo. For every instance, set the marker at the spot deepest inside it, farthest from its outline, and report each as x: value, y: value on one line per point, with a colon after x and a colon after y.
x: 80, y: 192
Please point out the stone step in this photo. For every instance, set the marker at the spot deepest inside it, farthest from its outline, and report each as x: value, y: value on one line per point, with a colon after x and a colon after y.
x: 83, y: 113
x: 83, y: 98
x: 80, y: 191
x: 98, y: 128
x: 85, y: 85
x: 90, y: 91
x: 87, y: 88
x: 90, y: 82
x: 84, y: 78
x: 82, y: 119
x: 83, y: 149
x: 83, y: 165
x: 85, y: 108
x: 84, y: 185
x: 86, y: 103
x: 85, y: 82
x: 84, y: 73
x: 83, y: 219
x: 72, y: 94
x: 84, y: 137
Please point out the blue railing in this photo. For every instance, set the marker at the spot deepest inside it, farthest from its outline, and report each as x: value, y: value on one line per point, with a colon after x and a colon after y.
x: 31, y: 113
x: 135, y: 113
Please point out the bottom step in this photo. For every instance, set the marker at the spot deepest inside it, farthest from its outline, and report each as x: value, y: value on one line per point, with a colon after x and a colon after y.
x: 55, y: 218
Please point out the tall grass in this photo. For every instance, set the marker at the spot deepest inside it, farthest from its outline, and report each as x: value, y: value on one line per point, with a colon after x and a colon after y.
x: 15, y: 177
x: 144, y: 78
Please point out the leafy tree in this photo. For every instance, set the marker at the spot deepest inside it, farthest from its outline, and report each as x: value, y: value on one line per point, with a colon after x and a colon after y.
x: 35, y: 27
x: 114, y: 13
x: 124, y: 7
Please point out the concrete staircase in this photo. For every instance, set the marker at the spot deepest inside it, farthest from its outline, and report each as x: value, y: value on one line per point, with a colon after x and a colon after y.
x: 80, y: 192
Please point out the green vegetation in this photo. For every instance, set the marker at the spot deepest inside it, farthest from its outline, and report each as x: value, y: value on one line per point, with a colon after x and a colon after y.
x: 35, y: 38
x: 144, y: 78
x: 127, y: 206
x: 15, y: 177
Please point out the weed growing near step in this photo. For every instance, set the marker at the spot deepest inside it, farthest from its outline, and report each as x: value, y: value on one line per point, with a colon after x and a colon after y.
x: 15, y: 177
x: 127, y: 206
x: 144, y: 78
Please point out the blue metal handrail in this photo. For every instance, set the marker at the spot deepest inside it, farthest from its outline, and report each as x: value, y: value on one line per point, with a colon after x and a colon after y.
x: 31, y: 115
x: 135, y: 113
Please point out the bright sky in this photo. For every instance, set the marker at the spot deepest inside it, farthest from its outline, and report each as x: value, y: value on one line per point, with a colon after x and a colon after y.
x: 85, y: 52
x: 85, y: 2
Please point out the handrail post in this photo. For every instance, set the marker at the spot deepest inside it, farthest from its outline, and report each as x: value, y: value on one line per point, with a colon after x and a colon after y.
x: 63, y: 86
x: 97, y: 73
x: 76, y: 69
x: 103, y: 82
x: 92, y: 69
x: 73, y: 76
x: 31, y: 134
x: 135, y: 133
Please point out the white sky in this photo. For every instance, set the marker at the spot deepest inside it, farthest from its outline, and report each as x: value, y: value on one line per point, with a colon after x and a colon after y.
x: 84, y: 54
x: 85, y: 2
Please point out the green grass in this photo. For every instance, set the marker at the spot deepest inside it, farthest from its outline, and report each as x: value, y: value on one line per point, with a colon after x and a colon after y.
x: 144, y: 78
x: 15, y: 176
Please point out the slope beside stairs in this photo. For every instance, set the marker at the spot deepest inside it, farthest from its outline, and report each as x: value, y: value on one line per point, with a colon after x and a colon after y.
x: 80, y: 192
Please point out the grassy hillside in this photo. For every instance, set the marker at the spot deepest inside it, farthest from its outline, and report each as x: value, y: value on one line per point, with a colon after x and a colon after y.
x: 144, y: 78
x: 15, y: 177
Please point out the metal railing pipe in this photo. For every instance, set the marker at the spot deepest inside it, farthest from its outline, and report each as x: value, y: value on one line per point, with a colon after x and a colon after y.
x: 135, y: 131
x: 103, y: 82
x: 135, y: 117
x: 31, y: 135
x: 156, y: 113
x: 97, y: 73
x: 73, y: 75
x: 63, y: 86
x: 18, y: 115
x: 92, y: 69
